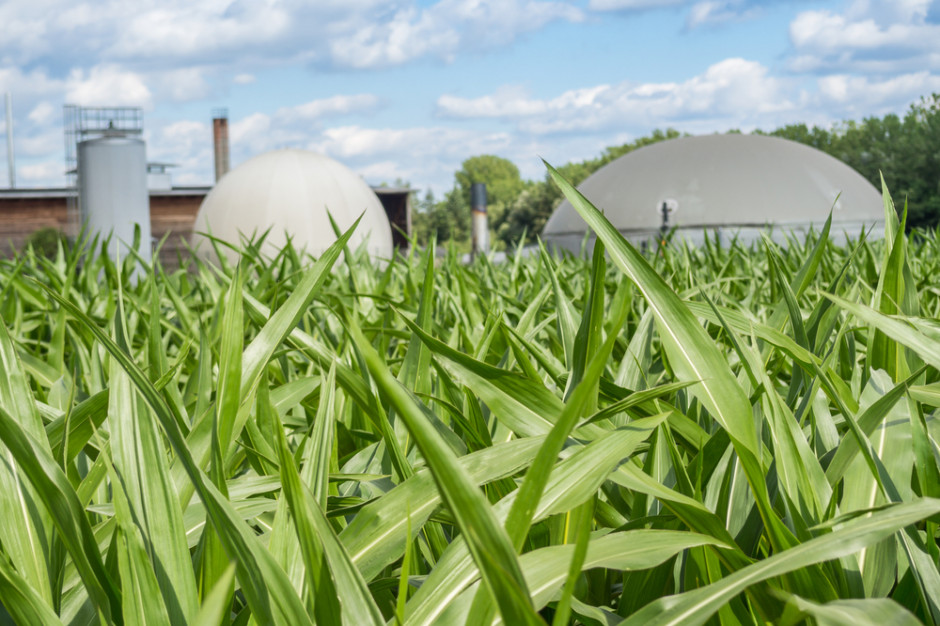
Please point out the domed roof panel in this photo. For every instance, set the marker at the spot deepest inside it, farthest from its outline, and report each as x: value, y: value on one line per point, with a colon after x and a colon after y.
x: 293, y: 192
x: 723, y: 180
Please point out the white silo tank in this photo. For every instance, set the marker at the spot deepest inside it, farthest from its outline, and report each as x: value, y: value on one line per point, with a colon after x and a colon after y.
x: 113, y: 197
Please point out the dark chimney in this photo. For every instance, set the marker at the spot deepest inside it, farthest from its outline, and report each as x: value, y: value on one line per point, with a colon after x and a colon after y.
x: 220, y: 141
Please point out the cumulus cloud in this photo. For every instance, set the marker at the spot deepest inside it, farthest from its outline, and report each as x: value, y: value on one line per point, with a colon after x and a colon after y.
x: 187, y: 144
x: 30, y: 85
x: 39, y: 172
x: 244, y: 33
x: 868, y: 37
x: 699, y: 12
x: 39, y: 144
x: 291, y: 127
x: 107, y: 85
x: 335, y: 105
x: 736, y: 91
x: 633, y: 5
x: 862, y: 96
x: 427, y: 157
x: 43, y: 113
x: 714, y: 12
x: 444, y: 29
x: 357, y: 141
x: 186, y: 84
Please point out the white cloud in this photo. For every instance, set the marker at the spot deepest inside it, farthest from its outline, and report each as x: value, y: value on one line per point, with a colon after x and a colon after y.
x: 714, y: 12
x: 868, y: 37
x: 39, y: 172
x: 291, y: 127
x: 243, y: 79
x: 862, y: 96
x: 30, y: 86
x: 195, y: 29
x: 38, y: 144
x: 736, y: 91
x: 427, y: 157
x: 186, y: 144
x: 185, y: 137
x: 238, y: 36
x: 334, y: 105
x: 357, y: 142
x: 700, y: 12
x: 252, y: 134
x: 186, y: 84
x: 107, y: 85
x: 388, y: 171
x: 443, y: 30
x: 43, y: 113
x: 633, y: 5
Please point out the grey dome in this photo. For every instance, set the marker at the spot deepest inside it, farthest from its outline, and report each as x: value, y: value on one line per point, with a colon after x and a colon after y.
x: 737, y: 183
x: 291, y: 192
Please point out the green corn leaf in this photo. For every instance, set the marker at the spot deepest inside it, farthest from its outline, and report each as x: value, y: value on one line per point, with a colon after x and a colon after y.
x: 697, y: 606
x: 488, y: 543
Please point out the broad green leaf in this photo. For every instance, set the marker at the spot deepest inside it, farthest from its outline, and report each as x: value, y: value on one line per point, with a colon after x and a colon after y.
x: 24, y: 532
x: 330, y: 573
x: 58, y: 497
x: 589, y: 466
x: 697, y: 606
x: 21, y: 601
x: 868, y: 612
x: 488, y: 543
x: 140, y: 461
x: 692, y: 354
x: 375, y: 538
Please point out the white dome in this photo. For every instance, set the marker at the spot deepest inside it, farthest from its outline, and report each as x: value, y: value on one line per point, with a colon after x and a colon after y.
x: 732, y: 182
x: 291, y: 192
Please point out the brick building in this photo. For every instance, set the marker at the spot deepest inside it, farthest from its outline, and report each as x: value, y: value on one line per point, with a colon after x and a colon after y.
x: 172, y: 214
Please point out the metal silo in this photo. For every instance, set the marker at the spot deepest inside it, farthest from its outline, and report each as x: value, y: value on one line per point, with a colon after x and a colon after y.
x: 113, y: 196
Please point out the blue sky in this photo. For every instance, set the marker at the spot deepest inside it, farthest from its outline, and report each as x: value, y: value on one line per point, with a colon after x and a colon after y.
x: 407, y: 90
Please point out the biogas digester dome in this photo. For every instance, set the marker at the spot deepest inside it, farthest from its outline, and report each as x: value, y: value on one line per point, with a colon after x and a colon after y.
x: 293, y: 192
x: 727, y: 184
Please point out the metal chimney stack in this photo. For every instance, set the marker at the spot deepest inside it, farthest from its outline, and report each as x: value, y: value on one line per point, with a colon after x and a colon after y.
x: 479, y: 227
x: 11, y: 160
x: 220, y: 141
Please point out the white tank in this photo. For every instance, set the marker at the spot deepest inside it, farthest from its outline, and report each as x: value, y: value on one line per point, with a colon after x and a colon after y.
x: 727, y: 185
x: 292, y: 193
x: 112, y: 183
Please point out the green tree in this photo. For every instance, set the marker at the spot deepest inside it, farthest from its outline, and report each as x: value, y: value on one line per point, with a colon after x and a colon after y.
x: 503, y: 182
x: 446, y: 220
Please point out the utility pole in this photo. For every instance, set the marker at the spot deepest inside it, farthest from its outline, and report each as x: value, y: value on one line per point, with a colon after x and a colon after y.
x: 11, y: 161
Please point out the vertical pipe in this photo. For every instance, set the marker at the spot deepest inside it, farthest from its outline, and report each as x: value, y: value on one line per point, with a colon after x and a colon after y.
x: 220, y: 142
x: 11, y: 161
x: 479, y: 228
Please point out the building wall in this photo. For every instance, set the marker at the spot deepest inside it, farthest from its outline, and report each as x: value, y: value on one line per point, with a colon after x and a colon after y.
x: 171, y: 215
x: 20, y: 217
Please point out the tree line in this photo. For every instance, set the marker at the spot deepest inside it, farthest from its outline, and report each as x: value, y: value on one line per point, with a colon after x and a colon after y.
x: 904, y: 149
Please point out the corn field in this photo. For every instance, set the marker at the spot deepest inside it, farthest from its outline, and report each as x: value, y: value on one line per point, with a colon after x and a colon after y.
x: 718, y: 435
